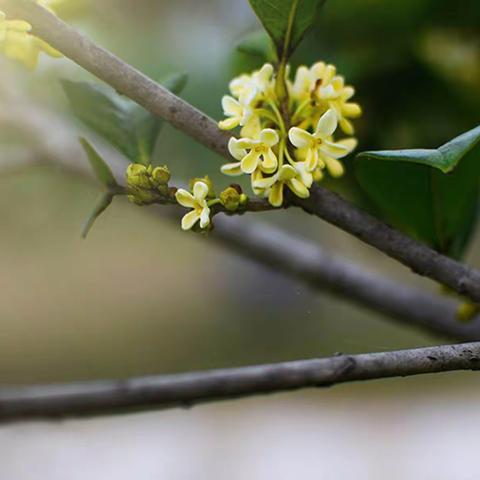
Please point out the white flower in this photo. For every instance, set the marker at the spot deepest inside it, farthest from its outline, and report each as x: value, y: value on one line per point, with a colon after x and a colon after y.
x: 319, y: 147
x: 238, y: 113
x: 198, y: 202
x: 253, y: 154
x: 273, y: 186
x: 251, y: 87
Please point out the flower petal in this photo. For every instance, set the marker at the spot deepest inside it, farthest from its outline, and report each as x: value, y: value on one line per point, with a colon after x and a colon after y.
x: 232, y: 169
x: 351, y: 110
x: 184, y: 198
x: 205, y: 218
x: 270, y: 162
x: 326, y: 125
x: 229, y: 123
x: 235, y: 150
x: 200, y: 190
x: 346, y: 126
x: 231, y: 107
x: 250, y: 162
x: 190, y: 219
x: 298, y: 188
x: 269, y: 137
x: 312, y: 159
x: 264, y: 183
x: 300, y: 138
x: 349, y: 143
x: 275, y: 196
x: 334, y: 167
x: 335, y: 150
x: 287, y: 172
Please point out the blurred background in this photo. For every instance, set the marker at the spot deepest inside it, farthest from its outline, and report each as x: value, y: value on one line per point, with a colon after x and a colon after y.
x: 141, y: 297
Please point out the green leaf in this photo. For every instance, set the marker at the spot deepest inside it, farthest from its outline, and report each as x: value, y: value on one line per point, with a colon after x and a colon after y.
x: 258, y: 44
x: 123, y: 123
x: 148, y: 126
x: 104, y: 112
x: 414, y: 194
x: 286, y: 21
x: 99, y: 166
x: 102, y: 204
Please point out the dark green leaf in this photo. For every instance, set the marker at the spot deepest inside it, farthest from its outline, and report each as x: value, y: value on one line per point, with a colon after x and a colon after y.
x: 445, y: 158
x: 411, y: 190
x: 105, y: 113
x: 126, y: 125
x: 286, y: 21
x: 147, y: 126
x: 258, y: 44
x: 101, y: 169
x: 103, y: 203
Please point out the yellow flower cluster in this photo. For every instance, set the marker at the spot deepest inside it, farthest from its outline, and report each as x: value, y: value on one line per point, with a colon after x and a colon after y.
x: 18, y: 43
x: 289, y: 142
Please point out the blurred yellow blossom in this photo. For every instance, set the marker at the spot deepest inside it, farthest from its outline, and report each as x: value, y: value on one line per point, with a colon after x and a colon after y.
x: 197, y: 202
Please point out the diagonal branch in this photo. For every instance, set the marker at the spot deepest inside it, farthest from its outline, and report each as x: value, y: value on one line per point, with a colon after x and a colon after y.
x: 274, y: 248
x: 185, y: 390
x: 322, y: 203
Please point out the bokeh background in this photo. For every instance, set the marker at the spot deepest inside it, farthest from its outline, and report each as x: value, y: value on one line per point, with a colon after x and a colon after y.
x: 141, y: 297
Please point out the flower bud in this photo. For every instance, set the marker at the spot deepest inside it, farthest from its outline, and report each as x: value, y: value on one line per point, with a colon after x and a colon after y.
x: 140, y: 196
x: 138, y: 176
x: 161, y: 175
x: 230, y: 199
x: 467, y: 311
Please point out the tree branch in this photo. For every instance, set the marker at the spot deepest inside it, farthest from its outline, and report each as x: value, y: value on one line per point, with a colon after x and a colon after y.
x: 282, y: 252
x: 322, y: 203
x: 185, y: 390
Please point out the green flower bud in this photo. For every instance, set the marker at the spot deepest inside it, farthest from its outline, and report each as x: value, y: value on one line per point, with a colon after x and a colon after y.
x: 207, y: 181
x: 230, y: 199
x: 243, y: 199
x: 140, y: 196
x: 161, y: 175
x: 138, y: 176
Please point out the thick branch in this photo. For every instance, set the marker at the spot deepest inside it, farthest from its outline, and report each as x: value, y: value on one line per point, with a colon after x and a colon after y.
x: 272, y: 247
x: 130, y: 82
x: 188, y: 389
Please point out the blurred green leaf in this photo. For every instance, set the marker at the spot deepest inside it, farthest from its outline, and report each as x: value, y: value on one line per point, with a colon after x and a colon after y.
x: 127, y: 126
x: 258, y: 44
x: 411, y: 190
x: 99, y: 166
x: 286, y: 21
x: 445, y: 158
x: 102, y: 204
x: 104, y: 112
x: 148, y: 126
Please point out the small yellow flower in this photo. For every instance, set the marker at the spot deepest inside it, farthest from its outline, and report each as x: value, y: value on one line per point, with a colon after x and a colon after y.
x: 306, y: 80
x: 198, y: 202
x: 238, y: 113
x: 253, y: 154
x: 319, y: 146
x: 18, y: 43
x: 333, y: 92
x: 252, y: 87
x: 273, y: 186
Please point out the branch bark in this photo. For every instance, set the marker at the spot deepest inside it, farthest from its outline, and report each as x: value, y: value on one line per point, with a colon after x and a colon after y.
x: 322, y: 203
x: 185, y: 390
x: 283, y: 252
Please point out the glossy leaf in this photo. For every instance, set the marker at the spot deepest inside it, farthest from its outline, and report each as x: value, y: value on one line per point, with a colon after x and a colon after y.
x: 99, y: 166
x: 411, y: 190
x: 445, y: 158
x: 286, y: 21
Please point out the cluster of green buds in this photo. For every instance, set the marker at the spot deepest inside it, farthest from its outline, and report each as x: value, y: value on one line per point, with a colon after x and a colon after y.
x: 147, y: 184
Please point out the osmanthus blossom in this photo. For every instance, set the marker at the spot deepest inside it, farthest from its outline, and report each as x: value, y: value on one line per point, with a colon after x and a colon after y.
x: 17, y: 42
x: 289, y: 144
x: 198, y: 202
x: 319, y: 148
